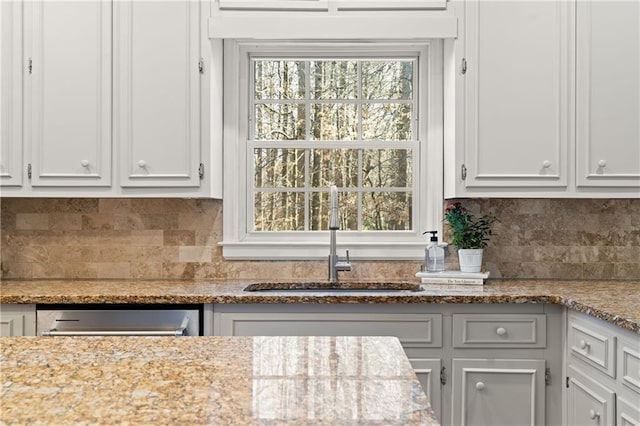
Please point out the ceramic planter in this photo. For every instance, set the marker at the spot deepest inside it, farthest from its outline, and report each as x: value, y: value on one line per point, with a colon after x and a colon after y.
x: 470, y: 260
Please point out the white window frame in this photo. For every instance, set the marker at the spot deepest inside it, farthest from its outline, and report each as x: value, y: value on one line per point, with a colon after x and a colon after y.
x: 241, y: 243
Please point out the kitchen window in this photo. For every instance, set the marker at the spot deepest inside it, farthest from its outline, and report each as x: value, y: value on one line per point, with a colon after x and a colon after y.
x: 300, y: 117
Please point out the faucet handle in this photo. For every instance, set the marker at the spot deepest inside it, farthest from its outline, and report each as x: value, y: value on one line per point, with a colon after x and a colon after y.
x: 343, y: 265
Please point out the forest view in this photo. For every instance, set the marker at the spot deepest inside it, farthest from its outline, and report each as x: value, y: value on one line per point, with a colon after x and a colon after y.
x: 316, y: 123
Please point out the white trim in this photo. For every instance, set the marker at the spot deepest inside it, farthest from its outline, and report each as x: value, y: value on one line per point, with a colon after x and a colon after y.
x: 238, y: 243
x: 292, y: 26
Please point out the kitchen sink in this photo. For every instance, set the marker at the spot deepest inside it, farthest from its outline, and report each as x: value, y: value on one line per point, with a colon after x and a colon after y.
x: 341, y: 286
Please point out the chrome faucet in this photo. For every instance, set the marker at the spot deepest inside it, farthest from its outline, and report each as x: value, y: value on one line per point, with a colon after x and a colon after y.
x: 335, y: 263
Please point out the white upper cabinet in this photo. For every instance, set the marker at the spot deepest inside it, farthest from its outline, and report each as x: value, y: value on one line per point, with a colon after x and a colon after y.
x: 96, y: 88
x: 11, y: 165
x: 542, y: 99
x: 608, y: 93
x: 68, y: 92
x: 157, y: 92
x: 516, y: 95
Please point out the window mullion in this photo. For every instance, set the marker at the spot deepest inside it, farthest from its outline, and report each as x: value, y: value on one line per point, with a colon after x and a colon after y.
x: 359, y: 195
x: 307, y: 136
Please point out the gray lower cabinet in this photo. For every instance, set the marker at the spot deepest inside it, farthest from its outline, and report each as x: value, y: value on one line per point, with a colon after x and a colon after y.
x: 498, y: 392
x: 454, y: 350
x: 428, y: 374
x: 603, y: 373
x: 17, y: 320
x: 589, y: 402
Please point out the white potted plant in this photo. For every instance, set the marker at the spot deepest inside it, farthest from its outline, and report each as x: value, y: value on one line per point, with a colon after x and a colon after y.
x: 469, y: 234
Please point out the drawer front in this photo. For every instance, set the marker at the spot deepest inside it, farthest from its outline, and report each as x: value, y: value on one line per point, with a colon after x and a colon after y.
x: 499, y: 331
x: 629, y: 364
x: 628, y: 414
x: 592, y: 343
x: 415, y: 330
x: 589, y: 402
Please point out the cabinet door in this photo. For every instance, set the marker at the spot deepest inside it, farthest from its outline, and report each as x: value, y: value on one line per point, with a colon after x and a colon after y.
x: 274, y: 4
x: 157, y: 90
x: 498, y: 392
x: 517, y: 74
x: 11, y: 93
x: 589, y: 403
x: 390, y: 4
x: 68, y: 120
x: 11, y: 324
x: 17, y: 320
x: 428, y: 373
x: 608, y: 93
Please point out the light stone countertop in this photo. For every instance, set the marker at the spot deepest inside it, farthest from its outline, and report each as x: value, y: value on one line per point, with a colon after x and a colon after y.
x: 209, y: 380
x: 617, y: 302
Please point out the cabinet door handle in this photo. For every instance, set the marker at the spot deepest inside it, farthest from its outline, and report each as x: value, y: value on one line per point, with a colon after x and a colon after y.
x: 584, y: 345
x: 546, y: 164
x: 84, y: 163
x: 593, y: 414
x: 501, y: 331
x: 142, y: 164
x: 602, y: 163
x: 480, y: 385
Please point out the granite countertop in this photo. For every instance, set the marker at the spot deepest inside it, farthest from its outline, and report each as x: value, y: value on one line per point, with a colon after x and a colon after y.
x: 617, y: 302
x: 209, y: 380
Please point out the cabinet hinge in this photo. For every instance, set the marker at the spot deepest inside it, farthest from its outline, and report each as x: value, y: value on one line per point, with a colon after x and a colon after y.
x: 201, y: 66
x: 547, y: 376
x: 29, y: 170
x: 443, y: 376
x: 201, y: 170
x: 566, y: 382
x: 30, y: 65
x: 463, y: 172
x: 464, y: 66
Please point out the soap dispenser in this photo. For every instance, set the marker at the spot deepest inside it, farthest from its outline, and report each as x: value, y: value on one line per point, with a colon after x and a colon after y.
x: 434, y: 254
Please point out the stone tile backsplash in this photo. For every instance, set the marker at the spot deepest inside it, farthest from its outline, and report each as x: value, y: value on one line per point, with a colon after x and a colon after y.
x: 177, y: 238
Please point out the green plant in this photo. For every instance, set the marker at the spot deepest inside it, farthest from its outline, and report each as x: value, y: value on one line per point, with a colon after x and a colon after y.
x: 467, y: 231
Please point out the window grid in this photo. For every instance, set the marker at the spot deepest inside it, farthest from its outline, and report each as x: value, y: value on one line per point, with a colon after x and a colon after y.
x: 359, y: 144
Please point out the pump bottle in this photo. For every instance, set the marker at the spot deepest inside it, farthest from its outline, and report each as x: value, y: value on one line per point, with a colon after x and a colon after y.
x: 434, y: 254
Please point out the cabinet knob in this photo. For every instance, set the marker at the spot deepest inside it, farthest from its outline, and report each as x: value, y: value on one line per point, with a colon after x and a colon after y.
x: 593, y: 414
x: 584, y: 345
x: 84, y: 163
x: 602, y: 163
x: 142, y: 164
x: 546, y: 164
x: 480, y: 385
x: 501, y: 331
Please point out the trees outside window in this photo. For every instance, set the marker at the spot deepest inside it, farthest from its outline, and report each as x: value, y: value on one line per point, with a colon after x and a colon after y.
x: 351, y: 121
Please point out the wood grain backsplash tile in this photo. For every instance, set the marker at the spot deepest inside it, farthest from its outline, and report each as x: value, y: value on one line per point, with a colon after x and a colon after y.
x: 178, y: 238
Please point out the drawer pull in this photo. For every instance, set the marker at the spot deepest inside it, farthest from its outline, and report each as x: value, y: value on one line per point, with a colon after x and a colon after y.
x: 584, y: 345
x: 593, y: 414
x: 480, y: 386
x: 501, y: 331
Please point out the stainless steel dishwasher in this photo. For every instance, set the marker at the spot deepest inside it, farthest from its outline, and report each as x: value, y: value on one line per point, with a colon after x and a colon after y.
x: 119, y: 320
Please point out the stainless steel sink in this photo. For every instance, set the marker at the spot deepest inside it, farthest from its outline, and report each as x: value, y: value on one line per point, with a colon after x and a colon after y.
x: 340, y: 286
